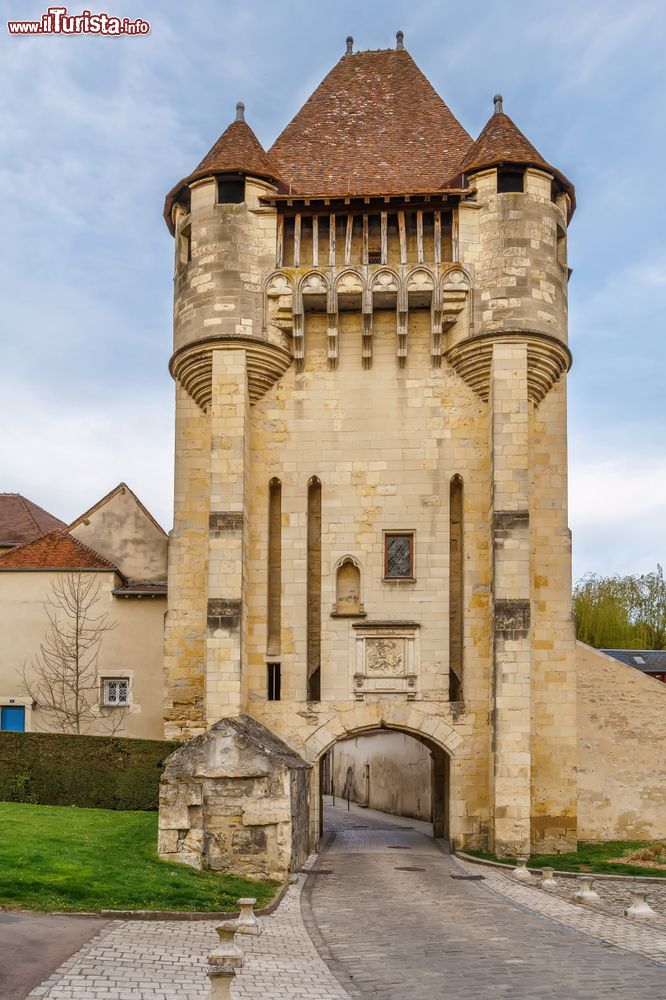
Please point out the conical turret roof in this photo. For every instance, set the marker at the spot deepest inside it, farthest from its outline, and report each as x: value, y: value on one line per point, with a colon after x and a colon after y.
x: 501, y: 141
x: 374, y: 125
x: 236, y: 151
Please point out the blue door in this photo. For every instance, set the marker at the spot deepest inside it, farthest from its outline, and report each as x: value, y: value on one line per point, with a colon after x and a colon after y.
x: 12, y: 718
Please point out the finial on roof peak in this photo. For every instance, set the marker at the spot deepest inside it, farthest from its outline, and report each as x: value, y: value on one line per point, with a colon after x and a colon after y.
x: 400, y: 40
x: 497, y: 100
x: 350, y: 45
x: 240, y: 112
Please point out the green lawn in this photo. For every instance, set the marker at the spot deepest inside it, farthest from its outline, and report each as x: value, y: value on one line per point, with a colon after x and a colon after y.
x: 65, y: 858
x: 592, y: 857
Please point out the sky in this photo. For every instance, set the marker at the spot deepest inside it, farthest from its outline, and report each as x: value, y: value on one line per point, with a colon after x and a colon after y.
x: 94, y: 132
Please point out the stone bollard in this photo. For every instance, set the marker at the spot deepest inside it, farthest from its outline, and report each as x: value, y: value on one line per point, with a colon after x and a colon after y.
x: 247, y: 922
x: 223, y: 962
x: 520, y: 871
x: 586, y: 894
x: 547, y: 878
x: 639, y: 908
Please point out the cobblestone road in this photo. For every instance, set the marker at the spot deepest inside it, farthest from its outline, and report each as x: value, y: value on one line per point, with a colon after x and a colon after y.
x: 394, y: 920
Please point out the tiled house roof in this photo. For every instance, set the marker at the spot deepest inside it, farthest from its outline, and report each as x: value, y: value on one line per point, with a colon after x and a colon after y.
x: 21, y: 520
x: 56, y: 551
x: 501, y: 141
x: 374, y: 125
x: 236, y: 151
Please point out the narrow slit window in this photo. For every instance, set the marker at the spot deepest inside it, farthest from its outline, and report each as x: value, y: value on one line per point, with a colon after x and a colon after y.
x: 399, y: 556
x: 314, y: 591
x: 274, y: 681
x: 456, y: 590
x: 185, y: 246
x: 274, y: 609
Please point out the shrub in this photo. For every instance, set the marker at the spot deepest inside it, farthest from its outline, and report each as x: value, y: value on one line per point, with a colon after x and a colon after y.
x: 98, y: 772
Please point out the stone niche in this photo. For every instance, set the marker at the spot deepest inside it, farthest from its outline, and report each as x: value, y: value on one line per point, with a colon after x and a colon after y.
x: 236, y: 799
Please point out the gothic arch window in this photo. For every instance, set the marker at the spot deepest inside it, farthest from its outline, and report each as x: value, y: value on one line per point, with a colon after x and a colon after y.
x: 348, y: 588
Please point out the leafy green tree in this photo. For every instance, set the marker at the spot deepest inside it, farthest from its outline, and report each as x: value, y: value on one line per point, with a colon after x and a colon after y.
x: 621, y: 612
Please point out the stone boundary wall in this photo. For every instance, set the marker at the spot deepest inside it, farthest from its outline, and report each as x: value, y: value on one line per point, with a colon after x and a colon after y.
x: 621, y: 760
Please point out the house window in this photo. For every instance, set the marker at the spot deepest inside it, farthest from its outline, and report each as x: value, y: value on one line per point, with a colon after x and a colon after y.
x: 116, y: 692
x: 399, y: 556
x: 185, y: 246
x: 274, y: 681
x: 230, y: 191
x: 509, y: 181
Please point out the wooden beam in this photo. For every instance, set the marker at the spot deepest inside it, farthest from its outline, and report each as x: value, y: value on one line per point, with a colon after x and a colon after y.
x: 315, y: 240
x: 348, y: 238
x: 402, y: 232
x: 331, y: 239
x: 297, y: 240
x: 384, y: 232
x: 365, y: 238
x: 419, y: 235
x: 438, y: 237
x: 279, y: 243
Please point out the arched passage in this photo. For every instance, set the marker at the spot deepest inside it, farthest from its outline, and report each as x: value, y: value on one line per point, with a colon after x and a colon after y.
x: 386, y: 777
x: 440, y: 739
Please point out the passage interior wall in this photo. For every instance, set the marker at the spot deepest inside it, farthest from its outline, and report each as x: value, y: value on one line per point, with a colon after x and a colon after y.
x: 399, y: 774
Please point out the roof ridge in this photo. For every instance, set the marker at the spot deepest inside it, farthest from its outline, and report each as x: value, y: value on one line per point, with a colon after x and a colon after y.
x: 107, y: 496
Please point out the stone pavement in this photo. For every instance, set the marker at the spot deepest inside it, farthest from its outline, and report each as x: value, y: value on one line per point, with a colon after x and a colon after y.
x: 386, y: 914
x: 166, y: 960
x: 395, y: 920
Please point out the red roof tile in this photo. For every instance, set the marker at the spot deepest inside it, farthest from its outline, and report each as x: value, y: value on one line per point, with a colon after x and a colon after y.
x: 374, y: 124
x: 21, y: 520
x: 57, y: 550
x: 501, y: 141
x: 236, y: 151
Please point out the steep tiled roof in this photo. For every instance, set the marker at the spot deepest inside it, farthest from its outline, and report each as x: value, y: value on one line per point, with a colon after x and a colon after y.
x: 236, y: 151
x: 57, y: 550
x: 501, y: 141
x: 21, y: 520
x: 374, y: 125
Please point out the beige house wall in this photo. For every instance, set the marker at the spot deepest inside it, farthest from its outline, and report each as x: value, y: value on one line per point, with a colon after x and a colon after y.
x: 122, y: 531
x: 621, y: 762
x: 133, y: 649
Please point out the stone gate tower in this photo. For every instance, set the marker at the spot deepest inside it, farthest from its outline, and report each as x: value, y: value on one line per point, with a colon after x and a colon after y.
x: 370, y: 531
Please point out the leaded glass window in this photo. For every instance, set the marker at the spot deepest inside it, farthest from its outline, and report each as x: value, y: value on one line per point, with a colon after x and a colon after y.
x: 399, y: 557
x: 116, y: 692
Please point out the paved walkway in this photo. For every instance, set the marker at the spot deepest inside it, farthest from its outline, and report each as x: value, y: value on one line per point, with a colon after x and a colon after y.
x: 394, y: 919
x: 386, y: 914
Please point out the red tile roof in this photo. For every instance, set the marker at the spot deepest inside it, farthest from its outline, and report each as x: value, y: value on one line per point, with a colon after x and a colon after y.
x: 57, y: 550
x: 21, y: 520
x: 374, y: 124
x: 236, y: 151
x: 501, y: 141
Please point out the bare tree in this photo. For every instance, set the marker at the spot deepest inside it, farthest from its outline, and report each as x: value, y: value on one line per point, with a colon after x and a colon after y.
x: 63, y: 678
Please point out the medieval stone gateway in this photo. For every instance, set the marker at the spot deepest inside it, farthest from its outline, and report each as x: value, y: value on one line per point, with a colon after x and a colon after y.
x: 370, y: 528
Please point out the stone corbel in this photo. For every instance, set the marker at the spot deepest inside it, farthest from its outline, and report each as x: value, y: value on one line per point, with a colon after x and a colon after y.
x: 332, y: 327
x: 366, y: 309
x: 298, y: 334
x: 455, y: 289
x: 436, y: 327
x: 402, y: 314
